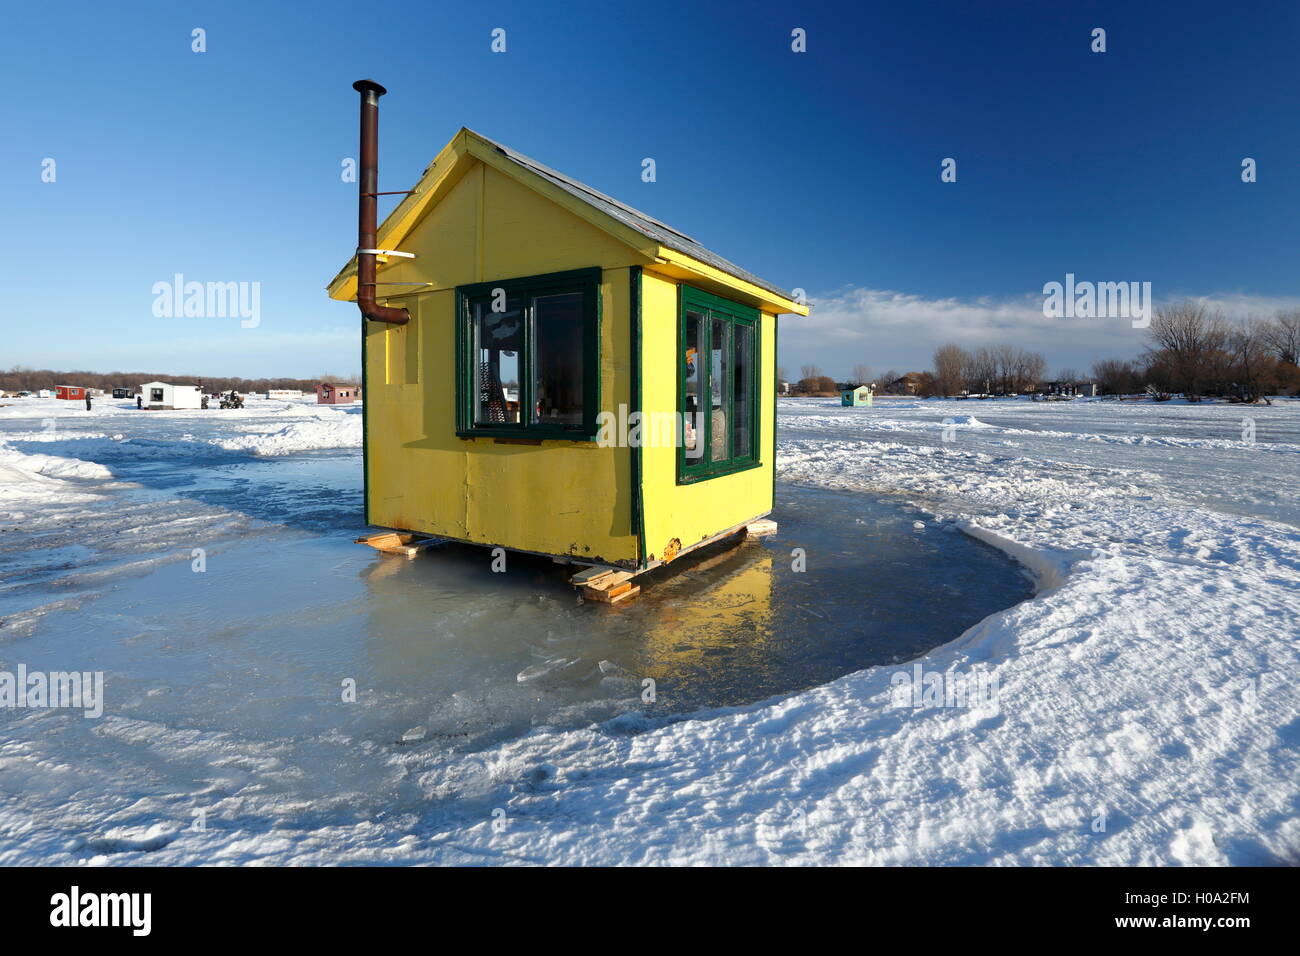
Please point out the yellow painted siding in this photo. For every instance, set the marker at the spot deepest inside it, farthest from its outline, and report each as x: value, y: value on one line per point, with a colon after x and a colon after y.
x: 444, y: 242
x: 694, y: 512
x: 563, y: 498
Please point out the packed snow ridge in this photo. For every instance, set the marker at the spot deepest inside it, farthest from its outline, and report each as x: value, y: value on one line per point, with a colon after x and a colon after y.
x: 263, y: 428
x: 338, y: 431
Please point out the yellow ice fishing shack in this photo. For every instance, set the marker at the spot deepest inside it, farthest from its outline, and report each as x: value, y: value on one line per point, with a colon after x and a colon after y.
x: 551, y: 371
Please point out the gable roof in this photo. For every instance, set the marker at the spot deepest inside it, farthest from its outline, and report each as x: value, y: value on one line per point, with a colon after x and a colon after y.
x: 645, y: 233
x: 648, y: 226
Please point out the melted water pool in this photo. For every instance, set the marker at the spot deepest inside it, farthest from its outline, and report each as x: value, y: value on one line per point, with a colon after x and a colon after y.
x: 444, y: 652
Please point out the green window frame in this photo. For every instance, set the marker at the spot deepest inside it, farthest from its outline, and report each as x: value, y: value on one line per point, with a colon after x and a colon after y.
x: 725, y: 338
x: 521, y: 296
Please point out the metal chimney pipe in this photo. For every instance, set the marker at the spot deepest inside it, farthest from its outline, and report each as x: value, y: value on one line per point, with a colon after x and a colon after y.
x: 367, y: 208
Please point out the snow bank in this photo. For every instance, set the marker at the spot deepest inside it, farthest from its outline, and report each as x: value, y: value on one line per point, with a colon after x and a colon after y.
x: 275, y: 428
x: 38, y: 477
x: 966, y: 421
x: 337, y: 431
x: 863, y: 419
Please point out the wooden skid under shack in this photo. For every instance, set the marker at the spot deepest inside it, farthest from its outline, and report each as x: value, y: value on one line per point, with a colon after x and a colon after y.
x: 599, y: 583
x: 397, y: 542
x: 606, y: 585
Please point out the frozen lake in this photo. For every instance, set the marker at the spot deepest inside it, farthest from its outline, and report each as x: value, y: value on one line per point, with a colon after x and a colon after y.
x: 1229, y: 458
x: 1164, y: 546
x: 449, y: 653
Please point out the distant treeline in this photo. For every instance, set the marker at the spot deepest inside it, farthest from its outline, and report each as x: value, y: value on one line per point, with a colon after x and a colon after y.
x: 1202, y: 353
x: 1190, y: 350
x: 19, y: 379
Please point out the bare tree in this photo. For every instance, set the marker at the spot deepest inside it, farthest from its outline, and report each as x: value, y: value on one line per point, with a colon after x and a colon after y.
x: 1115, y: 376
x: 1254, y: 368
x: 950, y: 364
x: 815, y: 385
x: 1004, y: 357
x: 1030, y: 367
x: 1192, y: 341
x: 861, y: 374
x: 809, y: 371
x: 1282, y: 335
x: 982, y: 373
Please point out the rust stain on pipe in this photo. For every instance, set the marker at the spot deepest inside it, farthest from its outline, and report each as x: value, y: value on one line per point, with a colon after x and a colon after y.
x: 367, y: 211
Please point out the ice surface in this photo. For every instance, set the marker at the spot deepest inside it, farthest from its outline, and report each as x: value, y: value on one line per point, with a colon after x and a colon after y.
x: 1150, y: 684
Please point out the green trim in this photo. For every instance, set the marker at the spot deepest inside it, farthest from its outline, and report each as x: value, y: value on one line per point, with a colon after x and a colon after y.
x: 708, y: 300
x: 776, y: 388
x: 735, y: 315
x: 586, y: 281
x: 638, y: 494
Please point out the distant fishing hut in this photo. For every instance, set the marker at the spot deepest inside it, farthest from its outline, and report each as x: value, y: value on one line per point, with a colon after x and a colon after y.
x: 169, y: 396
x: 331, y: 393
x: 549, y: 370
x: 860, y: 395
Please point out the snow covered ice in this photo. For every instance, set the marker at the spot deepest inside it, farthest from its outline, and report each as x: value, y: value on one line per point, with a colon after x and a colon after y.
x: 1146, y: 709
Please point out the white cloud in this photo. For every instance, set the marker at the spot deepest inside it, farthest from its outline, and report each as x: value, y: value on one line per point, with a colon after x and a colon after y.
x: 888, y: 329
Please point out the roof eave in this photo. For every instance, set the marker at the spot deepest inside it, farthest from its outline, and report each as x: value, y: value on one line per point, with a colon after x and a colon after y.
x: 674, y: 263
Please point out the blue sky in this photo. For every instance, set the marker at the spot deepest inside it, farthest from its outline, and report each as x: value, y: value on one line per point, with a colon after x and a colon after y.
x: 817, y: 170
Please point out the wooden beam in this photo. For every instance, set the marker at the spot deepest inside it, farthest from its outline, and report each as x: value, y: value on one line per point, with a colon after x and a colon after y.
x: 591, y: 575
x: 398, y: 542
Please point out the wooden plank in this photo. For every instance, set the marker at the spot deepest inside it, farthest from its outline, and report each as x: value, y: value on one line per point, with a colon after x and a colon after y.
x: 762, y: 528
x: 384, y: 539
x: 590, y: 575
x: 701, y: 545
x: 607, y: 595
x: 614, y: 595
x: 627, y: 595
x: 397, y: 542
x: 412, y: 549
x: 607, y: 581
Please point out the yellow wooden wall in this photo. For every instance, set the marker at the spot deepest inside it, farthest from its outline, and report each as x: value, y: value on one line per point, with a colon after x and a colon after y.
x: 699, y: 510
x: 566, y: 498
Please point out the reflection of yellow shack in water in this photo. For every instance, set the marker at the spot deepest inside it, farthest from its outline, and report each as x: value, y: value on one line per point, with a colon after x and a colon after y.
x: 719, y: 615
x: 734, y: 612
x: 551, y: 371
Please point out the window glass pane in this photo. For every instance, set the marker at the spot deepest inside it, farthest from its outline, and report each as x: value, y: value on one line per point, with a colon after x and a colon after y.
x: 557, y: 359
x: 742, y: 413
x: 498, y: 337
x: 692, y: 412
x: 719, y: 387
